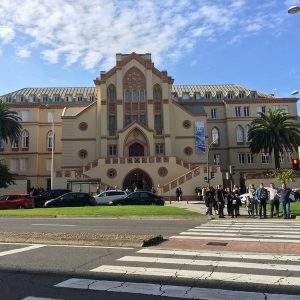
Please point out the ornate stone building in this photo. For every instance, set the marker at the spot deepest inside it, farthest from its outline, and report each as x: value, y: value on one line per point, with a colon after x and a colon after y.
x: 135, y: 127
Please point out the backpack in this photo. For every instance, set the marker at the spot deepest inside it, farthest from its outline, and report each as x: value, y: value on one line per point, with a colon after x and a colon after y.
x: 263, y: 194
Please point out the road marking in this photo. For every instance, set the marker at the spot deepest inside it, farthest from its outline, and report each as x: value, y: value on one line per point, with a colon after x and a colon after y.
x: 63, y: 225
x: 200, y: 275
x: 224, y: 254
x: 235, y: 230
x: 186, y: 292
x: 249, y: 226
x: 14, y: 251
x: 38, y: 298
x: 211, y: 263
x: 248, y: 239
x: 252, y: 235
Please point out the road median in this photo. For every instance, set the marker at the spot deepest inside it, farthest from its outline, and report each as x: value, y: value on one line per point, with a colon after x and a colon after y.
x: 82, y: 239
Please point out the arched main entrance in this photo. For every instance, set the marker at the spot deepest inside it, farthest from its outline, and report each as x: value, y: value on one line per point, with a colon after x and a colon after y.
x: 137, y: 178
x: 136, y: 149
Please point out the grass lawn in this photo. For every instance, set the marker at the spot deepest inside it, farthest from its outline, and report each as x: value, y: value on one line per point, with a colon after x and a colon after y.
x: 100, y: 211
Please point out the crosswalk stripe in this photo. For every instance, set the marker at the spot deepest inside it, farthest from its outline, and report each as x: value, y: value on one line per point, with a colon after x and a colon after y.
x: 186, y: 292
x: 200, y: 275
x: 238, y: 230
x: 255, y: 221
x: 38, y: 298
x: 256, y: 235
x: 19, y: 250
x: 250, y: 227
x: 244, y: 239
x: 224, y: 254
x: 211, y: 263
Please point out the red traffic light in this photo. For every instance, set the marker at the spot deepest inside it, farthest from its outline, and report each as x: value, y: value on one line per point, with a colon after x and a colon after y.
x: 295, y: 164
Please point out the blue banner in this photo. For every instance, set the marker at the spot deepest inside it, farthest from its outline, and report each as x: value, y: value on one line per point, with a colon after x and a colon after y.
x: 199, y: 137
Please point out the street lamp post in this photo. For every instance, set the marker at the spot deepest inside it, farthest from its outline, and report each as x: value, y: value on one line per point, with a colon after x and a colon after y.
x: 294, y: 9
x: 52, y: 150
x: 208, y: 175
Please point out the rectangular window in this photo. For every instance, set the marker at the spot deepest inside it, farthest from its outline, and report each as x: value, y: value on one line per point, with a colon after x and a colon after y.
x: 246, y: 111
x: 261, y: 109
x: 48, y: 164
x: 217, y: 159
x: 112, y: 150
x: 265, y: 158
x: 197, y: 96
x: 112, y: 124
x: 23, y: 164
x: 24, y: 115
x: 241, y: 157
x: 50, y: 116
x: 128, y: 95
x: 238, y: 111
x: 14, y: 165
x: 45, y: 98
x: 79, y: 98
x: 213, y: 113
x: 160, y: 149
x: 158, y: 123
x: 219, y: 95
x: 56, y: 98
x: 250, y: 158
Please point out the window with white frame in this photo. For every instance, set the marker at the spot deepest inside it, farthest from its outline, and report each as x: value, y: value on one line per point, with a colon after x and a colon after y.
x: 15, y: 144
x: 213, y: 113
x: 250, y: 158
x: 217, y: 159
x: 219, y: 95
x: 230, y: 95
x: 14, y: 165
x: 197, y: 96
x: 80, y: 98
x: 240, y: 134
x: 241, y: 95
x: 241, y: 158
x: 253, y: 94
x: 261, y: 109
x: 207, y: 95
x: 56, y: 98
x: 24, y: 115
x: 50, y: 116
x: 48, y: 164
x: 50, y: 139
x: 160, y: 149
x: 215, y: 136
x: 265, y: 158
x: 112, y: 150
x: 23, y: 164
x: 238, y: 111
x: 246, y: 111
x: 25, y: 139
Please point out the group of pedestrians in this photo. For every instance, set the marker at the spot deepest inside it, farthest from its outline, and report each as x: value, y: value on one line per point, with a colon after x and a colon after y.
x: 216, y: 199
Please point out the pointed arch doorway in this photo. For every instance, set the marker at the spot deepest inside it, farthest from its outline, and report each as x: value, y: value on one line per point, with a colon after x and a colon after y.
x: 137, y: 178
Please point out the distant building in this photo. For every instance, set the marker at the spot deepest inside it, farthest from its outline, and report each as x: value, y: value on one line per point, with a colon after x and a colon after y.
x: 136, y: 128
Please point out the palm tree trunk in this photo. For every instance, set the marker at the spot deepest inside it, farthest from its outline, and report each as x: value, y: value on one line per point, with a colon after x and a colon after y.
x: 277, y: 159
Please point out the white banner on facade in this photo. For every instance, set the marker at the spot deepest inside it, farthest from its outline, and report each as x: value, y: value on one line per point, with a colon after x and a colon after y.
x: 199, y: 137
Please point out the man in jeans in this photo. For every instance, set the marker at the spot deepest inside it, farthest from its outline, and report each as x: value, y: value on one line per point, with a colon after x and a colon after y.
x: 262, y: 196
x: 274, y: 200
x: 285, y: 200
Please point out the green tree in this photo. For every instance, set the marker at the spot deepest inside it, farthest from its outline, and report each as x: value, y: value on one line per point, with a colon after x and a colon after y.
x: 276, y: 131
x: 285, y: 176
x: 10, y: 129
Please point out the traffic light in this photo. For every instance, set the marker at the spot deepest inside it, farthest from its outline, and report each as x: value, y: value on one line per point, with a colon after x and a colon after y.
x: 295, y: 164
x: 205, y: 179
x: 232, y: 170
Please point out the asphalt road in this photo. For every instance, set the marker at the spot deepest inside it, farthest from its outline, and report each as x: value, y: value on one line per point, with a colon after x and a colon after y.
x: 165, y: 227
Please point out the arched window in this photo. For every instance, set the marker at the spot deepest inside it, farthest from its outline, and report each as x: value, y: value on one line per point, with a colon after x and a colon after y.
x: 157, y: 93
x: 50, y: 139
x: 111, y: 93
x: 134, y: 85
x: 215, y: 136
x: 25, y: 139
x: 240, y: 134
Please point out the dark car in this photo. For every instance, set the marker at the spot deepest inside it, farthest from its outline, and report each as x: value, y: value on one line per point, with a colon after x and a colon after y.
x: 139, y: 198
x: 15, y: 201
x: 71, y: 199
x: 40, y: 199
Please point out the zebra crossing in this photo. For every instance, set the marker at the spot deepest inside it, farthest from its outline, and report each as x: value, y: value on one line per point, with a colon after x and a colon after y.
x: 236, y: 269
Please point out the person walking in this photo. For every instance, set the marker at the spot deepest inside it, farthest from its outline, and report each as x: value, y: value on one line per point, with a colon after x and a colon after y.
x: 177, y: 194
x: 284, y: 193
x: 253, y: 200
x: 228, y: 198
x: 262, y: 196
x: 235, y: 204
x: 274, y: 200
x: 180, y: 194
x: 220, y: 199
x: 210, y: 199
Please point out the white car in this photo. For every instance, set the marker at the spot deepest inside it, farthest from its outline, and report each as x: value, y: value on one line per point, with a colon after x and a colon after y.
x: 107, y: 196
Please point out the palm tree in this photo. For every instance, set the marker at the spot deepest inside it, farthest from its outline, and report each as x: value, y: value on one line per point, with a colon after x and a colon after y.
x: 10, y: 127
x: 276, y: 131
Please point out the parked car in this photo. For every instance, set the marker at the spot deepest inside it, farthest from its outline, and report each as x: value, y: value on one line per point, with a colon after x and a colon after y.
x: 139, y: 198
x: 108, y: 196
x: 71, y: 199
x: 16, y: 201
x: 40, y: 199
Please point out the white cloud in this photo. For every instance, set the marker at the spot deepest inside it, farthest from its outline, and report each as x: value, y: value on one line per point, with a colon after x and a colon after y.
x: 90, y: 32
x: 23, y: 52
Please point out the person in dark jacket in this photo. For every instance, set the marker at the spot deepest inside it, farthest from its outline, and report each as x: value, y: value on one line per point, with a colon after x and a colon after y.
x: 210, y: 199
x: 220, y: 199
x: 262, y: 195
x: 235, y: 204
x: 228, y: 200
x: 284, y: 194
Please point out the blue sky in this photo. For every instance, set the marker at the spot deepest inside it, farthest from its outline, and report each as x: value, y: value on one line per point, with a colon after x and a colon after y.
x: 254, y: 43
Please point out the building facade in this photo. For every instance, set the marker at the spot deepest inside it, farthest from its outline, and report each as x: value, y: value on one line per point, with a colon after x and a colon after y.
x: 135, y: 127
